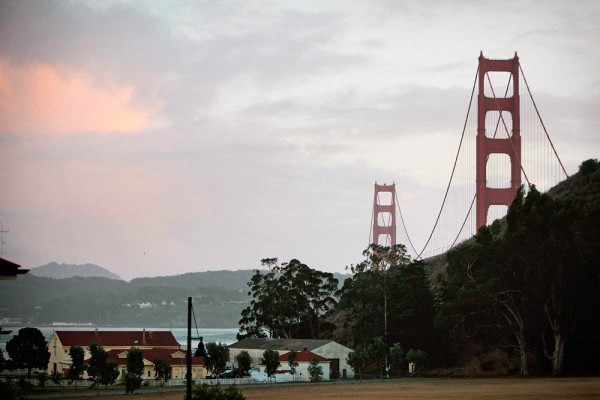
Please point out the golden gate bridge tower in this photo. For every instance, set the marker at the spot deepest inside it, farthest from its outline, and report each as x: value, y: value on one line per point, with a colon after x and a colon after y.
x: 384, y: 215
x: 511, y: 145
x: 488, y: 143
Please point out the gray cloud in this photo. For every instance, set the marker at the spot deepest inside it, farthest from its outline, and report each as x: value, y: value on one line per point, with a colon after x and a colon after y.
x: 275, y: 121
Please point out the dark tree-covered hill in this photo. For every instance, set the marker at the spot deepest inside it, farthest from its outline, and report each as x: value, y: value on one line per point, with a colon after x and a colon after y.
x: 219, y: 297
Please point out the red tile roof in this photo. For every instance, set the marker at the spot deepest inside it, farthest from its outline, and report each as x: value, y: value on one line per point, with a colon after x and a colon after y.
x: 151, y: 354
x: 118, y: 338
x: 303, y: 356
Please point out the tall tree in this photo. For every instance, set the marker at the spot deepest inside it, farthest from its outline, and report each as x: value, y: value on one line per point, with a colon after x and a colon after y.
x: 289, y: 300
x: 100, y: 369
x: 244, y: 362
x: 77, y: 363
x: 162, y: 369
x: 28, y: 349
x: 315, y: 371
x: 388, y: 296
x: 357, y: 360
x: 135, y: 370
x: 218, y: 357
x: 270, y: 359
x: 378, y: 352
x: 109, y: 373
x: 293, y: 364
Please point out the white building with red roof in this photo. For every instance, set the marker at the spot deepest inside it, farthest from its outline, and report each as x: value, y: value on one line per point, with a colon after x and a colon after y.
x: 304, y: 358
x: 335, y: 353
x: 117, y: 344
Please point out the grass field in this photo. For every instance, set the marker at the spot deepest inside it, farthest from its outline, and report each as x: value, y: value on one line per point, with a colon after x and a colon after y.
x: 416, y: 388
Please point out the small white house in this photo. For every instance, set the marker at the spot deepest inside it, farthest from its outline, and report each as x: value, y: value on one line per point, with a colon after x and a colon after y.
x: 334, y: 353
x: 304, y: 358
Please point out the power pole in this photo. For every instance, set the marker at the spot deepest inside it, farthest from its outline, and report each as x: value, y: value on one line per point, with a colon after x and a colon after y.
x: 3, y: 232
x: 188, y: 354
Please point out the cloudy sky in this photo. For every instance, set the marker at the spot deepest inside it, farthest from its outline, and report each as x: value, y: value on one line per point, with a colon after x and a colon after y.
x: 161, y: 137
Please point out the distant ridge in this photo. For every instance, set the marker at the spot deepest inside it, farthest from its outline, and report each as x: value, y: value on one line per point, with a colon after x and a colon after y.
x: 63, y: 271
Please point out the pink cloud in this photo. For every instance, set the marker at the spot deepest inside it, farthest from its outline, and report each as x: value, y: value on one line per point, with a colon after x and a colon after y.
x: 43, y: 98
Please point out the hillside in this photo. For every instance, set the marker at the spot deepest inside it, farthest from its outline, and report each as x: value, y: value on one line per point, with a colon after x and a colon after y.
x: 582, y: 186
x: 154, y: 302
x: 539, y: 265
x: 62, y: 271
x: 585, y: 184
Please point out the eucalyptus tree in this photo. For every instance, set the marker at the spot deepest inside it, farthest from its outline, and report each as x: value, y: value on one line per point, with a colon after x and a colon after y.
x: 288, y: 300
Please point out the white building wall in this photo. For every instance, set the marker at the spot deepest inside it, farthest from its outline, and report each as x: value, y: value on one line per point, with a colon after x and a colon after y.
x: 331, y: 350
x: 57, y: 355
x: 335, y: 350
x: 302, y: 373
x: 255, y: 355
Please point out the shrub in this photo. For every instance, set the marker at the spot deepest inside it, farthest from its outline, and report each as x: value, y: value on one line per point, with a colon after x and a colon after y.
x: 215, y: 392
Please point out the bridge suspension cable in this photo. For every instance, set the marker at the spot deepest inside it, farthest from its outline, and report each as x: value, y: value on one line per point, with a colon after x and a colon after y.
x: 535, y: 169
x: 542, y: 122
x: 475, y: 195
x: 419, y: 254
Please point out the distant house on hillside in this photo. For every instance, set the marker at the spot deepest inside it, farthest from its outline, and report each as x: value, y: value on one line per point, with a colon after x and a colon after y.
x: 332, y: 352
x: 117, y: 344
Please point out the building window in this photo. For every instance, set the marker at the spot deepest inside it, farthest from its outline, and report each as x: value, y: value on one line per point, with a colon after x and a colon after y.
x: 148, y: 373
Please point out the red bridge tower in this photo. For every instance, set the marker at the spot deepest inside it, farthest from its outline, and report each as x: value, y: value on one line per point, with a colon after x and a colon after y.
x: 387, y: 211
x: 486, y: 146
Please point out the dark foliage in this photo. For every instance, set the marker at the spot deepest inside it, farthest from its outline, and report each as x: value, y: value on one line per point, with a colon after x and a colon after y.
x: 290, y: 300
x: 533, y: 285
x: 28, y: 349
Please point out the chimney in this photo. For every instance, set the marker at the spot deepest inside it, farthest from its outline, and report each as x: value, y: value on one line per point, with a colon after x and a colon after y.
x: 144, y: 336
x: 305, y: 349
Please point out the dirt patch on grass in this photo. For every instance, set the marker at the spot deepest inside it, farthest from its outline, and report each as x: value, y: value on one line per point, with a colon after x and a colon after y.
x: 416, y: 388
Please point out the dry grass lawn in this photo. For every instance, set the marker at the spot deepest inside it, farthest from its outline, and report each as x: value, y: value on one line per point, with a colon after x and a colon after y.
x: 424, y: 388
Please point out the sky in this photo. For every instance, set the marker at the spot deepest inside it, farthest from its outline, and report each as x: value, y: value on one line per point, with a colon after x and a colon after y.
x: 163, y: 137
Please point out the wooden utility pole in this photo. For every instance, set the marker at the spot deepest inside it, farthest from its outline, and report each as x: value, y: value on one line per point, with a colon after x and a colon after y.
x: 188, y: 353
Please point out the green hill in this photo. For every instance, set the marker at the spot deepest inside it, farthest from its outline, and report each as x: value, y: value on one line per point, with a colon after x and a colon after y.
x: 219, y: 297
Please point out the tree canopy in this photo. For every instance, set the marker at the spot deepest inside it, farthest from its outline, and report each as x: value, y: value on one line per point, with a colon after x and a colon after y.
x: 100, y: 369
x: 388, y: 297
x: 77, y: 363
x: 270, y: 359
x: 28, y: 349
x: 218, y: 357
x: 288, y: 300
x: 535, y: 278
x: 315, y: 371
x: 244, y: 362
x: 135, y: 370
x: 162, y: 369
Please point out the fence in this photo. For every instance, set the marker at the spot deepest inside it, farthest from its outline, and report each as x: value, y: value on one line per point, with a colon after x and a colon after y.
x: 35, y: 381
